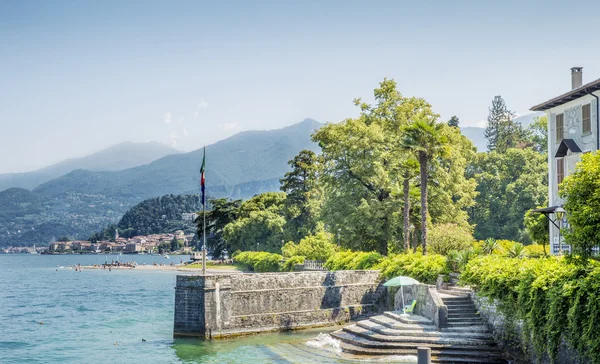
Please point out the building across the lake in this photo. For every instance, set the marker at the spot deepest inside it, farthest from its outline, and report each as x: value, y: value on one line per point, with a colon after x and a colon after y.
x: 573, y: 130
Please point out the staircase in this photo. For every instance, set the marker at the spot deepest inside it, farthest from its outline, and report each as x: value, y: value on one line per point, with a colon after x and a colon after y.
x: 466, y: 339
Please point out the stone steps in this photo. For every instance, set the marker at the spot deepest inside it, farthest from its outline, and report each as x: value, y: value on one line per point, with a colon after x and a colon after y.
x: 397, y: 325
x: 385, y: 330
x: 409, y: 319
x: 430, y: 341
x: 439, y: 354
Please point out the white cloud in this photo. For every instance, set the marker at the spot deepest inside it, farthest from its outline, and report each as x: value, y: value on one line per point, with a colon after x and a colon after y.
x: 202, y: 104
x: 167, y: 118
x: 185, y: 132
x: 173, y: 138
x: 229, y: 126
x: 196, y: 115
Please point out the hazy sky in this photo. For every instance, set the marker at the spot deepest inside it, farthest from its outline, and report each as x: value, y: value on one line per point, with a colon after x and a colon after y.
x: 78, y: 76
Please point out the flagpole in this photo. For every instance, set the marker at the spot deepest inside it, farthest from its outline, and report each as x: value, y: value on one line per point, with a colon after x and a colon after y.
x: 204, y: 227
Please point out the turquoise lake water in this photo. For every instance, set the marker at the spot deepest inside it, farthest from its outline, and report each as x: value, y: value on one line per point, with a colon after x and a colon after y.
x: 99, y: 316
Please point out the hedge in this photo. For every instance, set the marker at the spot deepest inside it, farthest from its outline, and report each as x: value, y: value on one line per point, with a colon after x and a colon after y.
x: 555, y: 299
x: 259, y: 261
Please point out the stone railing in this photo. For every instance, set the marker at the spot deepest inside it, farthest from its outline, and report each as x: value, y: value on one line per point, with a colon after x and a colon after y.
x: 429, y: 303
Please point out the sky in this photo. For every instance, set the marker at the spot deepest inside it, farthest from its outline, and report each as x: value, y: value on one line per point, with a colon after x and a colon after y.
x: 79, y: 76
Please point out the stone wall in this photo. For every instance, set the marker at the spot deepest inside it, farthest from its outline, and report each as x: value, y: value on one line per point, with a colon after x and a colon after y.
x: 509, y: 335
x: 429, y: 304
x: 229, y: 305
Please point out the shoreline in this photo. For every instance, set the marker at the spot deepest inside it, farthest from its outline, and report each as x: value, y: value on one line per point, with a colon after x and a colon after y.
x: 150, y: 267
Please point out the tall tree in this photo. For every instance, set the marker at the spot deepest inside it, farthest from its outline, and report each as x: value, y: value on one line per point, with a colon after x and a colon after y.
x: 502, y: 132
x: 425, y: 139
x: 453, y: 121
x: 301, y: 187
x: 410, y: 169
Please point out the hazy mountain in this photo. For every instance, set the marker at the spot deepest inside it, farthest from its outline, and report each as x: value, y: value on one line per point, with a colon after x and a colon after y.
x: 117, y: 157
x: 83, y: 201
x: 476, y: 134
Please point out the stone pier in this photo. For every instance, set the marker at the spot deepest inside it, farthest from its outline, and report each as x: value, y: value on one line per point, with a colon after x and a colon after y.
x: 215, y: 306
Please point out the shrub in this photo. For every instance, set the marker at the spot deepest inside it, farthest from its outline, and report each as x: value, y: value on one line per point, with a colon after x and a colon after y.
x: 289, y: 264
x: 444, y: 238
x: 516, y: 251
x: 424, y: 268
x: 319, y: 246
x: 535, y: 250
x: 489, y: 246
x: 259, y: 261
x: 554, y: 298
x: 349, y: 260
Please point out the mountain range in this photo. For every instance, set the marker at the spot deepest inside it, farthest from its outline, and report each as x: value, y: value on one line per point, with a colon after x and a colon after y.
x: 83, y: 200
x: 117, y: 157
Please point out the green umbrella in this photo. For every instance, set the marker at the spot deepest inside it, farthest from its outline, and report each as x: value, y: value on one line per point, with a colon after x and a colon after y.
x: 401, y: 281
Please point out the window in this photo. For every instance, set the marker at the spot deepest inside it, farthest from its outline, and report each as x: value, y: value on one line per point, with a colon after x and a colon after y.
x: 559, y: 127
x: 560, y: 170
x: 586, y: 118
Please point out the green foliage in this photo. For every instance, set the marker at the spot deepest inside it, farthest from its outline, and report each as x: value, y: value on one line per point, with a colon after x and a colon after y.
x: 535, y: 250
x: 555, y: 299
x: 363, y: 157
x: 260, y: 224
x: 516, y: 251
x: 502, y: 132
x: 223, y: 212
x: 453, y: 121
x: 349, y: 260
x: 538, y: 134
x: 489, y: 246
x: 424, y: 268
x: 444, y: 238
x: 314, y: 247
x: 302, y: 204
x: 289, y: 264
x: 509, y: 185
x: 259, y: 261
x: 537, y: 227
x: 582, y: 202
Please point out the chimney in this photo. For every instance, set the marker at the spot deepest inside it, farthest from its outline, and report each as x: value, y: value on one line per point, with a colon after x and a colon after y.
x: 576, y: 77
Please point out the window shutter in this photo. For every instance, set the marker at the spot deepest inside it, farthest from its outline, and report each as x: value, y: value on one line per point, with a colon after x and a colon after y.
x: 560, y: 170
x: 586, y: 119
x: 559, y: 127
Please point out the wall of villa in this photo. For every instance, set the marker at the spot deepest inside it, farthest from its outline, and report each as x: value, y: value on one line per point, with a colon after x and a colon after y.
x: 215, y: 306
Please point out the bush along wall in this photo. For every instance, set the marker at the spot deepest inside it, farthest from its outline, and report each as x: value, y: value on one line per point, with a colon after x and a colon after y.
x: 555, y: 299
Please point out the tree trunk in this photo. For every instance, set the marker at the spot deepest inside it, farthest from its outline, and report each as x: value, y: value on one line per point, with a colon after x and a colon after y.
x: 424, y: 178
x: 406, y: 188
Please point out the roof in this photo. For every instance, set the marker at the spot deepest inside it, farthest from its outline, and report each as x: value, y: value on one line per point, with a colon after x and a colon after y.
x: 569, y: 96
x: 567, y: 144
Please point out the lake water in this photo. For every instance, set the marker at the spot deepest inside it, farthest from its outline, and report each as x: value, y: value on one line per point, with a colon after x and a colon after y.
x: 100, y: 316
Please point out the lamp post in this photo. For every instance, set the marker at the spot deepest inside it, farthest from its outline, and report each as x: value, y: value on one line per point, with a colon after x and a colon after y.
x: 560, y: 214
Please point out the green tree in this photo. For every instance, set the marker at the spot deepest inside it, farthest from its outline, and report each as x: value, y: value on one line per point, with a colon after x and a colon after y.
x: 508, y: 185
x: 581, y: 191
x: 64, y: 239
x: 259, y: 224
x: 425, y: 139
x: 538, y: 134
x: 223, y: 212
x: 537, y: 228
x: 176, y: 244
x: 302, y: 201
x: 453, y: 121
x: 502, y: 132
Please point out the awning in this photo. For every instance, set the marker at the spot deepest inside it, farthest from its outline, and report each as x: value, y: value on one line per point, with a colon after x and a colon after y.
x: 546, y: 210
x: 565, y: 145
